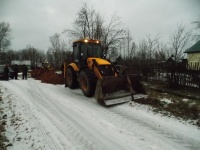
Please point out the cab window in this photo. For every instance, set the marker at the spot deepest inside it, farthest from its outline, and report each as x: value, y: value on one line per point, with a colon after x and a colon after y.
x: 76, y: 52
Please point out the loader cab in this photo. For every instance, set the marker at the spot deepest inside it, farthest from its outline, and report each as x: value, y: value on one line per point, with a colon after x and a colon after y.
x: 83, y: 49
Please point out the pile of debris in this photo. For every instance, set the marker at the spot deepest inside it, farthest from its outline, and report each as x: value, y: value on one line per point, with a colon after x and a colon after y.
x: 47, y: 76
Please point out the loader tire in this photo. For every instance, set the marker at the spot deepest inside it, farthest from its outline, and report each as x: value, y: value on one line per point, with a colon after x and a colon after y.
x: 87, y: 81
x: 71, y: 79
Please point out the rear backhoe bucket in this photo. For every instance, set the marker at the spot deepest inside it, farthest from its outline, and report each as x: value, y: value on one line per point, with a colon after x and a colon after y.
x: 114, y: 90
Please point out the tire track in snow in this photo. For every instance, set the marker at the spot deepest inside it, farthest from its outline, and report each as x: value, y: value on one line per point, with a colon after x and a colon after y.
x: 35, y: 120
x: 45, y: 133
x: 62, y: 122
x: 83, y: 134
x: 155, y: 128
x: 76, y: 136
x: 119, y: 114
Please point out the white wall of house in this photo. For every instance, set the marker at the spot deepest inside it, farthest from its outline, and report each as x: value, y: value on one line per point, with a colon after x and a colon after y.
x: 21, y: 62
x: 193, y: 58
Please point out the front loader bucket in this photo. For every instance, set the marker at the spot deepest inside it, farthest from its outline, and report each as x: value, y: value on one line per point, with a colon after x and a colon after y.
x: 114, y: 90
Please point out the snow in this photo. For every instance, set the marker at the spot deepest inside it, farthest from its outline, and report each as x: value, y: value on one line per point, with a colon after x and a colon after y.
x: 167, y: 101
x: 52, y: 117
x: 185, y: 100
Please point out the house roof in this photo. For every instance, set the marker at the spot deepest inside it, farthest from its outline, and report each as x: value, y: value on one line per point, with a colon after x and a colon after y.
x: 171, y: 59
x: 194, y: 48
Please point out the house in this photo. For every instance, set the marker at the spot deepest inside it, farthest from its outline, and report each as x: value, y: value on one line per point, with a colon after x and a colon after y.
x: 193, y: 56
x: 171, y: 59
x: 21, y: 62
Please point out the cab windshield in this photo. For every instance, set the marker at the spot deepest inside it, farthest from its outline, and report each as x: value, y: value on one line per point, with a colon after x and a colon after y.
x: 90, y: 50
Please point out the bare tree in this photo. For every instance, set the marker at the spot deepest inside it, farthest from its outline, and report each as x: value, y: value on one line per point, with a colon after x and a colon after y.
x: 128, y: 45
x: 161, y: 53
x: 133, y: 50
x: 142, y: 57
x: 197, y: 25
x: 152, y: 44
x: 32, y: 54
x: 142, y: 51
x: 179, y: 40
x: 127, y: 41
x: 90, y: 24
x: 4, y: 40
x: 55, y: 41
x: 55, y: 49
x: 57, y: 52
x: 10, y: 56
x: 147, y: 49
x: 4, y: 35
x: 86, y: 24
x: 35, y: 56
x: 121, y: 46
x: 98, y: 31
x: 113, y: 33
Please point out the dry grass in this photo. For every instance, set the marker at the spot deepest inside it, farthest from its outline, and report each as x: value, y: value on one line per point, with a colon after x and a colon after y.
x: 2, y: 136
x: 2, y: 127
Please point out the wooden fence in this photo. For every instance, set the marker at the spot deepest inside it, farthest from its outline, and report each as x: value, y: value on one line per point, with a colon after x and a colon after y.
x: 176, y: 74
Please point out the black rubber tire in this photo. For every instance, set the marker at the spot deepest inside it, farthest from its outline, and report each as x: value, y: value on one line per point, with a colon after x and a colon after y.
x: 71, y: 78
x: 87, y: 82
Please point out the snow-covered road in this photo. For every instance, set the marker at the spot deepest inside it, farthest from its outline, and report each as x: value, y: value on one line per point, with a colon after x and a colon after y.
x: 52, y: 117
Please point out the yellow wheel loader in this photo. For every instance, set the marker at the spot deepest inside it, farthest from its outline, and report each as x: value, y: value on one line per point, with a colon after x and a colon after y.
x: 46, y: 65
x: 97, y: 76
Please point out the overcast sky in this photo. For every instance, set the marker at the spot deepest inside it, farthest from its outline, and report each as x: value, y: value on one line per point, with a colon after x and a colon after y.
x: 34, y: 21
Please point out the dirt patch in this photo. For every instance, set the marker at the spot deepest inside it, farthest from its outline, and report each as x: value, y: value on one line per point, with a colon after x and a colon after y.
x: 47, y: 76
